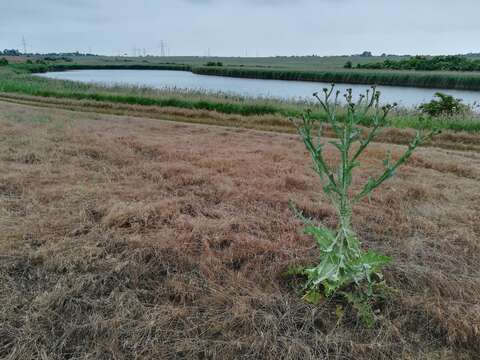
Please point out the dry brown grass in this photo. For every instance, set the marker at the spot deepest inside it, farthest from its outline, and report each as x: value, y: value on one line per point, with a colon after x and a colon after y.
x: 126, y: 238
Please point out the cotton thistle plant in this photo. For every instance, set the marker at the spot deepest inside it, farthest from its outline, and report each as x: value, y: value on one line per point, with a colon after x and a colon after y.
x: 343, y: 263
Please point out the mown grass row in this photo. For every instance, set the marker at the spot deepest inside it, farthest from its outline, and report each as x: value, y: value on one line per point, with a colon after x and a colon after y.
x: 446, y: 80
x: 27, y: 84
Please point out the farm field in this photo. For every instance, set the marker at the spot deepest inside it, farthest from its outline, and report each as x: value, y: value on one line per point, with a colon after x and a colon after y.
x: 124, y: 236
x: 285, y: 62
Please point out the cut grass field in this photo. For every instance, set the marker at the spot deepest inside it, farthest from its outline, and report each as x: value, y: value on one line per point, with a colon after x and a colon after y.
x: 125, y: 237
x: 459, y: 140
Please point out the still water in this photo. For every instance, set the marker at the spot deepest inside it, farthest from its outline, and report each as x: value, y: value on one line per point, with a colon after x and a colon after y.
x: 286, y: 90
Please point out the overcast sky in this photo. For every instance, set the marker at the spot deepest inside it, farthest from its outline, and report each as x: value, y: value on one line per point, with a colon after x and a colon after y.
x: 237, y: 27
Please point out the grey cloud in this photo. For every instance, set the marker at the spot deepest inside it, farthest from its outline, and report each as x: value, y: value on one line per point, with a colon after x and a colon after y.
x: 254, y: 2
x: 231, y: 27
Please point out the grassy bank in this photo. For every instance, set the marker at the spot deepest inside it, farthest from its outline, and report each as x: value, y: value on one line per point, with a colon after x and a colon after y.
x: 18, y: 79
x: 43, y: 68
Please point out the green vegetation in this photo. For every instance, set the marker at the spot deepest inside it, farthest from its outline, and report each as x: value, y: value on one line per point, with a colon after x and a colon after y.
x: 423, y: 63
x: 16, y: 78
x: 55, y: 58
x: 213, y: 63
x: 345, y: 269
x: 3, y: 62
x: 400, y: 78
x: 444, y: 105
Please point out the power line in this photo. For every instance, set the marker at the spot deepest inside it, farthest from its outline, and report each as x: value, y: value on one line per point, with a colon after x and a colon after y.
x: 163, y: 48
x: 136, y: 51
x: 24, y: 44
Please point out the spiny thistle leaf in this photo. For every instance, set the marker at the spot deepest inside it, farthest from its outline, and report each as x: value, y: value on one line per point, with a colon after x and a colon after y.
x: 323, y: 236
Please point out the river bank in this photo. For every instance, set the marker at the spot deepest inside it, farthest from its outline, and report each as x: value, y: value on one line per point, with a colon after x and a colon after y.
x: 18, y: 79
x: 421, y: 79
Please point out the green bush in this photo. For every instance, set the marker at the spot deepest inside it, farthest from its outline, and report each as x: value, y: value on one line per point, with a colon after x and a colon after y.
x: 444, y: 105
x: 348, y: 65
x: 345, y: 269
x: 213, y: 63
x: 3, y: 62
x: 423, y: 63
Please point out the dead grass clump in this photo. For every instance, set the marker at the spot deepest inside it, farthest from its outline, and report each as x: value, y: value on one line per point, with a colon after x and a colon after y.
x: 176, y: 170
x: 140, y: 215
x: 9, y: 187
x: 419, y: 192
x: 318, y: 211
x: 29, y: 158
x: 144, y: 150
x: 103, y: 154
x: 379, y: 226
x: 396, y: 136
x: 452, y: 325
x: 444, y: 167
x: 294, y: 183
x: 458, y: 137
x: 92, y: 152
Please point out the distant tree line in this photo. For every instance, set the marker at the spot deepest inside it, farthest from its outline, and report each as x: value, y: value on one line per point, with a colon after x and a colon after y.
x: 424, y: 63
x: 15, y: 52
x: 10, y: 52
